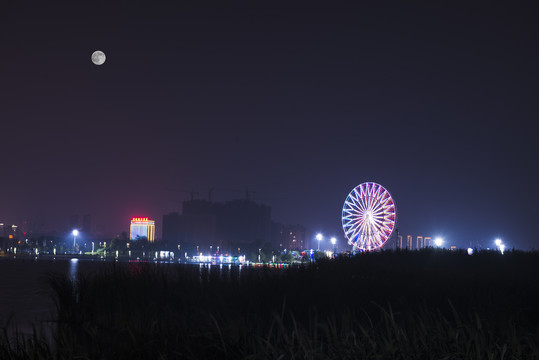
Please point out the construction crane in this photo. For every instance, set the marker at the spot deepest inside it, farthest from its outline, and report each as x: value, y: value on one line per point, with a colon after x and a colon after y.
x: 191, y: 193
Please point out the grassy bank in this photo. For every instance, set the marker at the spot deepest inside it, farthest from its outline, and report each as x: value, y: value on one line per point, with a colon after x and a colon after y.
x: 405, y: 305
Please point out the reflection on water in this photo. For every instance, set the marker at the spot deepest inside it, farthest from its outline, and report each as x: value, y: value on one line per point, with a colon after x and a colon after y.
x: 73, y: 268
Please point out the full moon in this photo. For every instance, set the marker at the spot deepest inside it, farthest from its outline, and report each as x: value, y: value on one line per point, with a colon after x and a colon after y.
x: 98, y: 57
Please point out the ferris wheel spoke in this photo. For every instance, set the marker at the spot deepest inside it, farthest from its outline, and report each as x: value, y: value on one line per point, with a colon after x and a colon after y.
x: 360, y: 204
x: 378, y: 219
x: 355, y: 204
x: 370, y: 201
x: 355, y: 230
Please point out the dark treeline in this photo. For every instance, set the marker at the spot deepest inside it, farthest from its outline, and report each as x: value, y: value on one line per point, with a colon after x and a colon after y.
x: 386, y: 305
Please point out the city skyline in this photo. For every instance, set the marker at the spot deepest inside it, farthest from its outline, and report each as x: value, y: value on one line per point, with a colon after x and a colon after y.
x: 292, y: 106
x: 309, y: 239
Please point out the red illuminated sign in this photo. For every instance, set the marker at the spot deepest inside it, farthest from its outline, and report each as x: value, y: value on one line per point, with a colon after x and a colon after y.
x: 140, y: 219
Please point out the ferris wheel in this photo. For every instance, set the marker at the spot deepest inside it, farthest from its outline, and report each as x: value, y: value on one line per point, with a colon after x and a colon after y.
x: 368, y: 216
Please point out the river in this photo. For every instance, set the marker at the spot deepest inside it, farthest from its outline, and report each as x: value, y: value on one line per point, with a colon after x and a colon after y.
x: 26, y: 298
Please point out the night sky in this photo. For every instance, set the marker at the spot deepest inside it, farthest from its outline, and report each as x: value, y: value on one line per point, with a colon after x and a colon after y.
x: 296, y: 102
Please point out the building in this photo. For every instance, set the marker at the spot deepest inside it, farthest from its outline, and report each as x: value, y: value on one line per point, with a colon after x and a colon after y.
x: 208, y: 227
x: 419, y: 243
x: 428, y: 241
x: 243, y: 223
x: 142, y: 228
x: 8, y: 235
x: 172, y: 228
x: 289, y: 237
x: 199, y: 226
x: 399, y: 242
x: 409, y: 242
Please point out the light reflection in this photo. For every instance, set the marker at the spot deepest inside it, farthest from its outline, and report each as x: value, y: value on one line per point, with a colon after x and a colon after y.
x: 73, y: 269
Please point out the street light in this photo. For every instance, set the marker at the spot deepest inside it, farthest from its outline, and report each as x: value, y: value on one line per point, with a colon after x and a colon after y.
x: 75, y: 233
x: 319, y: 237
x: 334, y: 242
x: 500, y: 245
x: 438, y: 242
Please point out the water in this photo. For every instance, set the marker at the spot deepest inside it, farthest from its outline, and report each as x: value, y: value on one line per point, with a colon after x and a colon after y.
x: 26, y: 298
x: 24, y: 294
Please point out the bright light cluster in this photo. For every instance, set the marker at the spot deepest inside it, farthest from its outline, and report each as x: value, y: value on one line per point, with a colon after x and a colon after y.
x: 368, y: 216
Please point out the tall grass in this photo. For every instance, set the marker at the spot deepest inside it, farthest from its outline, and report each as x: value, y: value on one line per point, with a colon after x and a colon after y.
x: 404, y: 305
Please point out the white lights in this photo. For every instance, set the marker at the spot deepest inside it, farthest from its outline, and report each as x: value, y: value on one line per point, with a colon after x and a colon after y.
x: 500, y: 245
x: 319, y: 237
x: 438, y: 241
x: 470, y: 251
x: 75, y: 233
x: 333, y: 241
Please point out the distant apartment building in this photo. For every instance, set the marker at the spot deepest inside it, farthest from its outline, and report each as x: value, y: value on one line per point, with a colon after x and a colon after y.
x: 8, y: 234
x: 409, y: 242
x: 428, y: 241
x: 142, y: 228
x: 3, y: 238
x: 419, y: 243
x: 172, y: 228
x: 399, y: 242
x: 289, y: 237
x: 205, y: 226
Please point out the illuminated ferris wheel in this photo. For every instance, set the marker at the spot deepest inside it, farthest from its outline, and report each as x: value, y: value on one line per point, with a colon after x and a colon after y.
x: 368, y: 216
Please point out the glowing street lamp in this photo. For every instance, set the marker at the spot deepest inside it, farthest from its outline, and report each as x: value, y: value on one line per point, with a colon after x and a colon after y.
x: 499, y: 243
x: 334, y: 242
x: 319, y: 237
x: 75, y: 233
x: 438, y: 242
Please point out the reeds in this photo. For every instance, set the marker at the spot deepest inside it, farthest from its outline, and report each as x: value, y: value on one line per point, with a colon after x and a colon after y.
x: 420, y: 305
